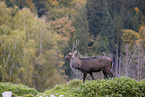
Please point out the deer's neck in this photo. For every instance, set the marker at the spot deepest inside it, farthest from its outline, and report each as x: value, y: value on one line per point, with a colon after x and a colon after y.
x: 75, y: 62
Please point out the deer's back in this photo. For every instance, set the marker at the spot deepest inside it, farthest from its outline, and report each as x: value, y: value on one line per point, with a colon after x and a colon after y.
x: 96, y: 64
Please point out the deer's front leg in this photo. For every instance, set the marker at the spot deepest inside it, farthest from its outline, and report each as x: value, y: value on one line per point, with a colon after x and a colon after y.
x: 84, y: 77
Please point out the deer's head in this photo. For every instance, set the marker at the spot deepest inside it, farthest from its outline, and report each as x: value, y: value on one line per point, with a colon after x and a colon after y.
x: 72, y: 52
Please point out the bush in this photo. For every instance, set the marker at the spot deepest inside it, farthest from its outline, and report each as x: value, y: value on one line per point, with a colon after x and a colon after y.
x: 19, y: 90
x: 122, y: 87
x: 142, y: 86
x: 117, y: 87
x: 29, y: 95
x: 67, y: 90
x: 74, y: 83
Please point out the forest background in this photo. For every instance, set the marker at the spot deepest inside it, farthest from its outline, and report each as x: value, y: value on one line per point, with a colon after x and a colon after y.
x: 35, y: 35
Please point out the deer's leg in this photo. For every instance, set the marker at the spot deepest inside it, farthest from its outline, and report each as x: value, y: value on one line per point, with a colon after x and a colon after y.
x: 105, y: 74
x: 91, y: 75
x: 84, y: 77
x: 110, y: 74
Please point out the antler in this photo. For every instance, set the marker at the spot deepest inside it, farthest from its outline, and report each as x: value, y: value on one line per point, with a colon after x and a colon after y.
x: 74, y: 46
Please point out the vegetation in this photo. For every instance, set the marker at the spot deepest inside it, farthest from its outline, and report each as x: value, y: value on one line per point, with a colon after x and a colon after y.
x: 120, y: 87
x: 17, y: 90
x: 35, y: 35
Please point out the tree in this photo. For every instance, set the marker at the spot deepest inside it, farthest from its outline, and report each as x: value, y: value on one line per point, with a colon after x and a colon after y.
x: 132, y: 54
x: 142, y: 34
x: 82, y: 32
x: 142, y: 43
x: 5, y: 14
x: 106, y: 20
x: 132, y: 61
x: 130, y: 37
x: 45, y: 49
x: 29, y: 51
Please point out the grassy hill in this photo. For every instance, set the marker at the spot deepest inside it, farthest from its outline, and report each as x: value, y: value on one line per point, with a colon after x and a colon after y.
x: 117, y: 87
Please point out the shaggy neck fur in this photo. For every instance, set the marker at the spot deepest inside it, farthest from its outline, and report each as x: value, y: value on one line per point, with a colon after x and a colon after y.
x: 74, y: 62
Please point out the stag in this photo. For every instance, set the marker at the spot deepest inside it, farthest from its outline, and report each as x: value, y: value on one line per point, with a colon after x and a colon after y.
x: 89, y: 65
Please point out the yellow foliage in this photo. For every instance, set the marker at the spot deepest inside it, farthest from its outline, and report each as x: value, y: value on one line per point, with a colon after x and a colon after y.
x: 52, y: 3
x: 136, y: 9
x: 142, y: 31
x: 129, y: 36
x: 30, y: 3
x: 142, y: 34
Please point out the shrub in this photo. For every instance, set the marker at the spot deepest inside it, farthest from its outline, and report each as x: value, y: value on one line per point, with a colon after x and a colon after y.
x: 74, y: 83
x: 68, y: 90
x: 122, y: 87
x: 142, y: 86
x: 117, y: 87
x: 17, y: 89
x: 29, y: 95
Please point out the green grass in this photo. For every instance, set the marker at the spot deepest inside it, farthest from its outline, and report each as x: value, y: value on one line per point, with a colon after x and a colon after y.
x: 117, y: 87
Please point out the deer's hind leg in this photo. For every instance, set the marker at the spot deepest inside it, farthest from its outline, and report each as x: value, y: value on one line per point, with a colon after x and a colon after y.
x: 109, y: 73
x: 105, y: 74
x: 91, y: 75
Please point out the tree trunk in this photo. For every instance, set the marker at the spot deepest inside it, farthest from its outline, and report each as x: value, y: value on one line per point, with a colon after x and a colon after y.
x: 138, y: 71
x: 116, y: 69
x: 119, y: 66
x: 127, y: 60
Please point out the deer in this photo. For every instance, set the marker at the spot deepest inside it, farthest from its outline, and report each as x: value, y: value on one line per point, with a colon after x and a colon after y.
x: 90, y: 64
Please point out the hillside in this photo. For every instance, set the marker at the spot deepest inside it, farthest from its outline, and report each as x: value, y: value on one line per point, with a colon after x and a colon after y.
x: 117, y: 87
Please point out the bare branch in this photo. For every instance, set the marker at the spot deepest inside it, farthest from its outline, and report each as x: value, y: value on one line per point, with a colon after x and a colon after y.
x: 9, y: 55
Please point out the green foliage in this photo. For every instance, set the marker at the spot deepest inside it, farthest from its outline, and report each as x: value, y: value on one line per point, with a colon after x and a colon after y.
x: 70, y: 89
x: 120, y: 87
x: 29, y: 95
x: 123, y: 86
x: 5, y: 14
x: 74, y: 83
x: 17, y: 90
x: 117, y: 87
x: 29, y: 51
x: 107, y: 18
x: 81, y: 25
